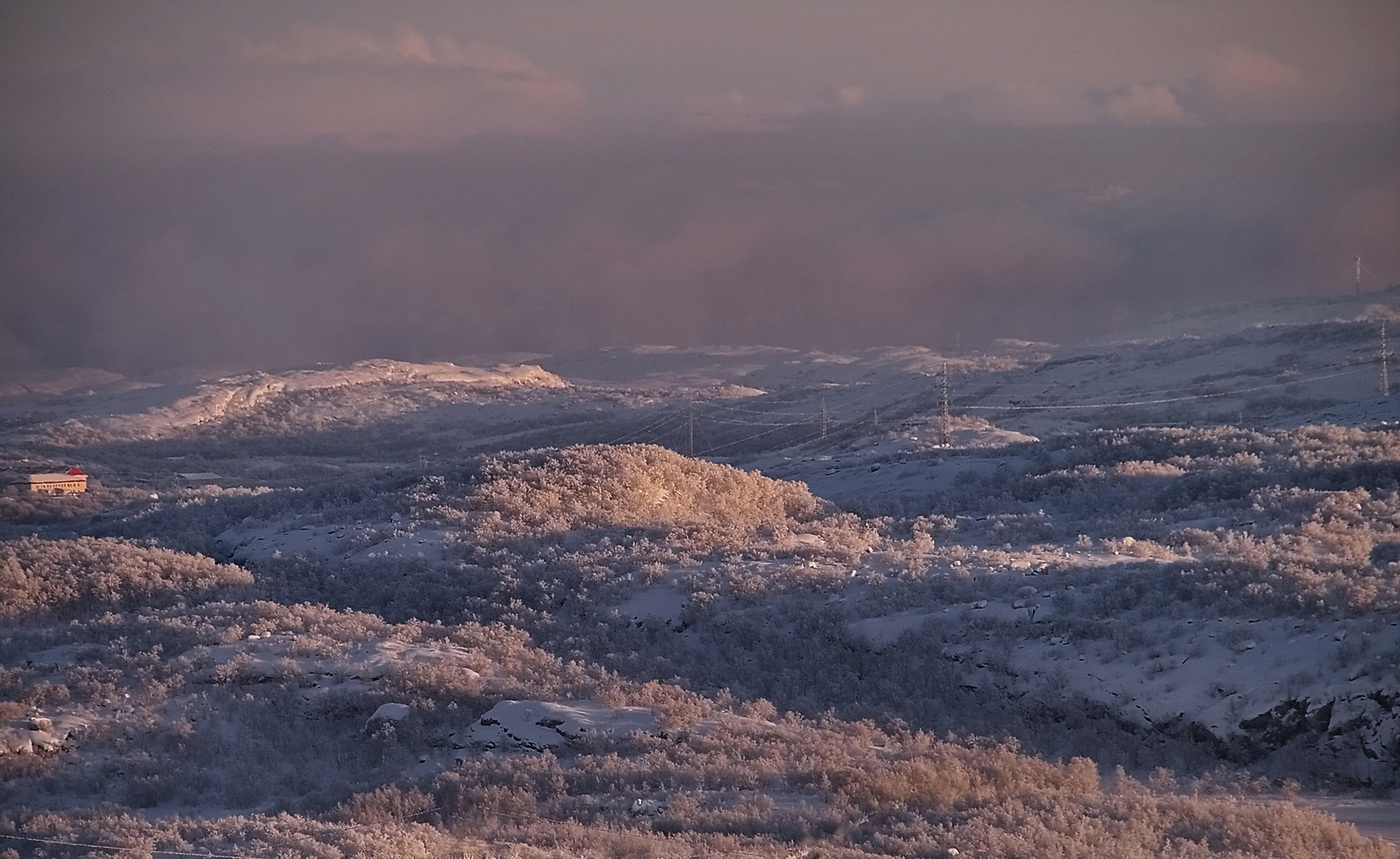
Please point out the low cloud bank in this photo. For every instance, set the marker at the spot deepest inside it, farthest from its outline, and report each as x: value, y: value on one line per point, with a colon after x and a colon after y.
x: 824, y: 234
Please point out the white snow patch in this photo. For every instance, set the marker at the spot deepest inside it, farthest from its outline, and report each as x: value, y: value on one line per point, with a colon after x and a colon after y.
x: 37, y: 734
x: 540, y: 725
x: 257, y: 543
x: 884, y: 631
x: 368, y: 661
x: 663, y: 603
x: 1209, y: 671
x: 390, y: 712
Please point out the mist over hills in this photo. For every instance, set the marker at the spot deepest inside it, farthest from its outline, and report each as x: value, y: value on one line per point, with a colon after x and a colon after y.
x: 1135, y: 596
x: 827, y: 235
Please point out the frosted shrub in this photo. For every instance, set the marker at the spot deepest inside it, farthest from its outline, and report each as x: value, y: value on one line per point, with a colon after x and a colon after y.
x: 36, y: 509
x: 279, y: 836
x: 601, y: 486
x: 643, y: 488
x: 1135, y: 548
x: 90, y: 572
x: 1140, y: 468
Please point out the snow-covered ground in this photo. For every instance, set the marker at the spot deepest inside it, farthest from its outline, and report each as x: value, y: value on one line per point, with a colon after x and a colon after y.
x: 866, y: 430
x: 1225, y: 674
x: 538, y: 725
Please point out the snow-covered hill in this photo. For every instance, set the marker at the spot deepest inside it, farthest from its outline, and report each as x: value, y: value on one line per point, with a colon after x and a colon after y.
x: 298, y: 401
x: 1273, y: 363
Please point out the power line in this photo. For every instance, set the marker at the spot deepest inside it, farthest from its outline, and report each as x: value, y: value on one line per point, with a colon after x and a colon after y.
x: 1353, y: 272
x: 1385, y: 363
x: 403, y: 819
x: 1159, y: 401
x: 116, y: 848
x: 945, y: 418
x: 728, y: 422
x: 653, y: 428
x: 687, y: 421
x: 154, y: 852
x: 690, y: 428
x: 569, y: 820
x: 740, y: 441
x: 899, y: 379
x: 715, y: 404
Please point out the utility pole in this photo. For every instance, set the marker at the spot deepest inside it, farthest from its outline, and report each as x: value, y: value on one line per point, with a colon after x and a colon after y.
x: 822, y: 419
x: 1358, y: 275
x: 690, y: 428
x: 1385, y: 363
x: 945, y: 419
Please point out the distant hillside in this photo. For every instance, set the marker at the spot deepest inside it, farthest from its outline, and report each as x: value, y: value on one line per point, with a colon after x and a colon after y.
x: 1293, y: 310
x: 287, y: 402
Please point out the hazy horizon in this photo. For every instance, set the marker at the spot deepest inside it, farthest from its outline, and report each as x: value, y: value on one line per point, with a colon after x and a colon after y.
x: 282, y: 183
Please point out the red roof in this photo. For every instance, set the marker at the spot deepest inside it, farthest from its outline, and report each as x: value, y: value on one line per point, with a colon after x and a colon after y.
x: 76, y: 471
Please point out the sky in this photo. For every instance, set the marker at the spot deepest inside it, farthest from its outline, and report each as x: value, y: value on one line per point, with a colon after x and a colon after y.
x: 279, y: 182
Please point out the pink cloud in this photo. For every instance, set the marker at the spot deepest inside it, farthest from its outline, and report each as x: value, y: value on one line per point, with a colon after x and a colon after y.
x: 318, y: 44
x: 1241, y: 73
x: 496, y: 68
x: 378, y: 109
x: 1144, y: 104
x: 734, y: 110
x: 847, y: 97
x: 737, y: 111
x: 1245, y: 84
x: 1017, y: 103
x: 400, y: 90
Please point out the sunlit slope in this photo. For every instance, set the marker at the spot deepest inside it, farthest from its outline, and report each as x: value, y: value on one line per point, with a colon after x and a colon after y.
x: 298, y: 401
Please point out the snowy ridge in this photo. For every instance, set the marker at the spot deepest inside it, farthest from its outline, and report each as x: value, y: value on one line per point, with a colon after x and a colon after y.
x: 62, y: 381
x: 306, y: 398
x: 1292, y: 310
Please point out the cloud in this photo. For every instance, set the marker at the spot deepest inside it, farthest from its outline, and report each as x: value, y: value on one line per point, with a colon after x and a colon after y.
x: 399, y: 91
x: 736, y: 111
x: 1238, y: 73
x: 375, y: 109
x: 1236, y: 84
x: 1241, y: 84
x: 1016, y: 103
x: 493, y: 67
x: 847, y: 97
x: 1144, y: 104
x: 833, y: 235
x: 1036, y: 104
x: 329, y: 44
